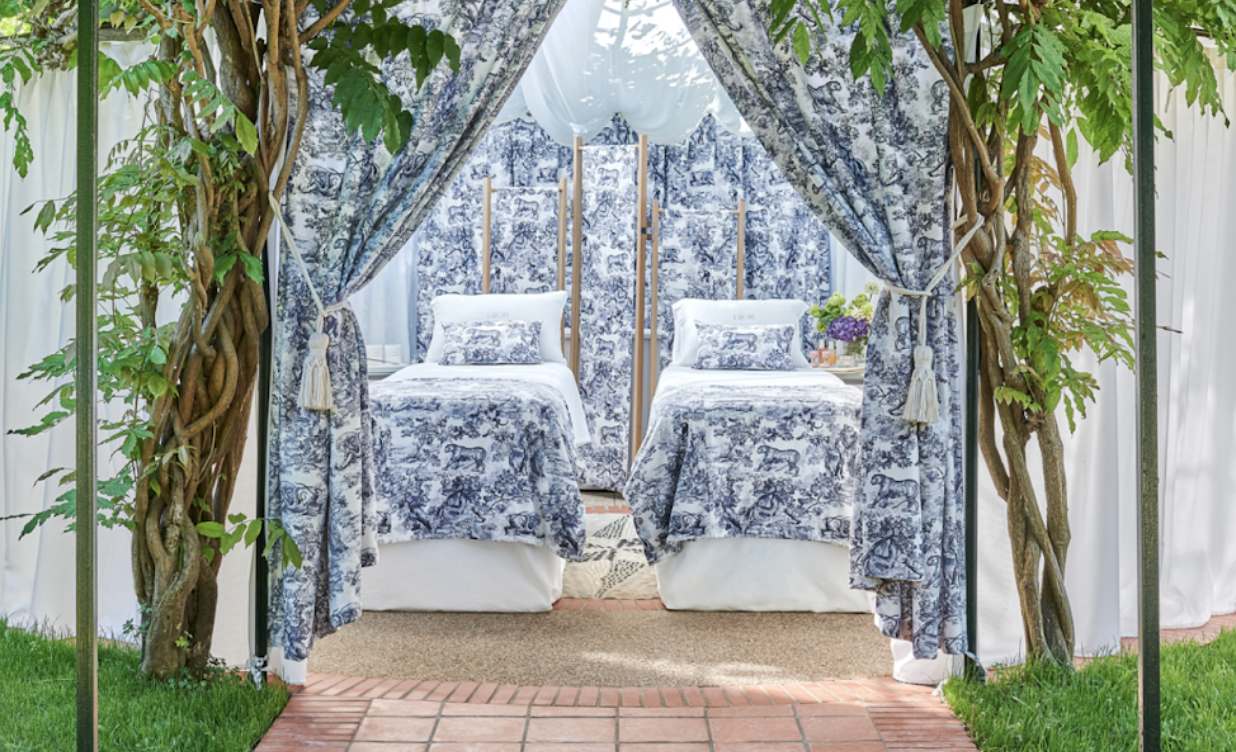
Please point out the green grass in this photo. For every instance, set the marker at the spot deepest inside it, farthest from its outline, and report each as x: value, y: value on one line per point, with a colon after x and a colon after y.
x: 1046, y: 708
x: 224, y: 713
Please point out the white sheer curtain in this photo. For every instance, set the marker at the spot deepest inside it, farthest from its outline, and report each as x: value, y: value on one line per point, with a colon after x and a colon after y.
x: 37, y: 582
x: 386, y: 309
x: 848, y: 276
x: 1197, y: 409
x: 633, y: 57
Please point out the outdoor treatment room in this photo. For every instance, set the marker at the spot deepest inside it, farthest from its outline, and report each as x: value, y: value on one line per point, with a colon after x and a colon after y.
x: 623, y: 375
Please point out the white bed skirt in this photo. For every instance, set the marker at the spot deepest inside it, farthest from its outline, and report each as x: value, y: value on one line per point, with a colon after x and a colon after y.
x: 462, y: 575
x: 757, y: 574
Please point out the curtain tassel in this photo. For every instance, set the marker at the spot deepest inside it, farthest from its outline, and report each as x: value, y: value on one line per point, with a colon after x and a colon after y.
x: 315, y: 390
x: 922, y: 405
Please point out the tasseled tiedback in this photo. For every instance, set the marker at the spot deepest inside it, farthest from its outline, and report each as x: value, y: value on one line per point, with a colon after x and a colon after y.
x: 922, y: 405
x: 315, y: 389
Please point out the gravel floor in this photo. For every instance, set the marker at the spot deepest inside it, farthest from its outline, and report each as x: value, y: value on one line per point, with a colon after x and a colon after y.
x: 607, y: 648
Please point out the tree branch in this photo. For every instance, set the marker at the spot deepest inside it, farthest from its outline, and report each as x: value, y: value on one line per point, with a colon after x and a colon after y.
x: 324, y: 21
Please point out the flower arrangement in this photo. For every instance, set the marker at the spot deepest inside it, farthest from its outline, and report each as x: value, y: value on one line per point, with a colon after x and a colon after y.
x: 850, y: 322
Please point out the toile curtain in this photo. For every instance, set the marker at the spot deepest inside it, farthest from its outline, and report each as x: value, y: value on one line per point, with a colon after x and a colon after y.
x: 349, y: 209
x: 874, y: 169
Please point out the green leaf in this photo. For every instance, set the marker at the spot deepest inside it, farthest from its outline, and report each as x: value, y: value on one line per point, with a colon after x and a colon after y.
x: 802, y: 42
x: 253, y: 267
x: 251, y: 534
x: 1070, y: 148
x: 247, y: 133
x: 210, y: 529
x: 229, y: 540
x: 156, y: 385
x: 434, y: 44
x: 223, y: 264
x: 291, y: 553
x: 275, y: 533
x: 45, y: 217
x: 452, y: 50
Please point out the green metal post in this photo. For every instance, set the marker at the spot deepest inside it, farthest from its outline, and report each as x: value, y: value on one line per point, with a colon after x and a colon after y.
x: 86, y: 377
x: 261, y: 590
x: 1148, y: 698
x: 973, y: 668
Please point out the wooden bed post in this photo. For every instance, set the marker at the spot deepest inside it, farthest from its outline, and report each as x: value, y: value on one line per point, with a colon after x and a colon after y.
x: 637, y: 356
x: 655, y: 367
x: 742, y: 247
x: 562, y: 235
x: 577, y: 256
x: 487, y: 191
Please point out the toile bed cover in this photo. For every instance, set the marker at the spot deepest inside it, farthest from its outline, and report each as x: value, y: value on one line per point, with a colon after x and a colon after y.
x: 746, y: 454
x: 479, y: 453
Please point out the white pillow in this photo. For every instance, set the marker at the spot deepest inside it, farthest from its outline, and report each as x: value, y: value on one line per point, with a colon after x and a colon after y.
x: 546, y: 307
x: 688, y: 311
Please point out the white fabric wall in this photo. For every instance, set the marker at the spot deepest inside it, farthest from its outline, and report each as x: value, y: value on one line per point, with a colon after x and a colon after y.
x: 37, y: 582
x: 1196, y: 215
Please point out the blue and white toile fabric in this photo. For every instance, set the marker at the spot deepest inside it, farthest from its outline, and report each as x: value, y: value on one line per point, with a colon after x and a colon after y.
x: 476, y: 459
x: 874, y: 168
x: 350, y: 207
x: 487, y: 343
x: 607, y: 312
x: 697, y: 182
x: 756, y: 348
x: 523, y: 245
x: 746, y: 462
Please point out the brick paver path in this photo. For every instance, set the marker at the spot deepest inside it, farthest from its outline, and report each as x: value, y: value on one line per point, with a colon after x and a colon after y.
x: 372, y: 715
x: 354, y: 714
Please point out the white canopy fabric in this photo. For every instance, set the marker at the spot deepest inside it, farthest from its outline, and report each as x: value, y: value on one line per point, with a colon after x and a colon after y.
x: 631, y: 57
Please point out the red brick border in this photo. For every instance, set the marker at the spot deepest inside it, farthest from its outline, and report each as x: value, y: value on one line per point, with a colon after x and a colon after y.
x: 612, y: 509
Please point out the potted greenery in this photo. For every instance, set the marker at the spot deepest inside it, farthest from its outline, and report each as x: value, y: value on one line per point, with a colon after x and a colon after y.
x: 849, y: 323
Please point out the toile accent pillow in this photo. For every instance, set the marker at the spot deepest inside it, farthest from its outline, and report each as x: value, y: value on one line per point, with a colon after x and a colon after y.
x: 756, y: 348
x: 491, y: 343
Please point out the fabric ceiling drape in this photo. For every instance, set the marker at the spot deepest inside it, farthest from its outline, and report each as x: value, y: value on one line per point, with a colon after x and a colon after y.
x: 874, y: 169
x: 633, y: 58
x: 350, y: 208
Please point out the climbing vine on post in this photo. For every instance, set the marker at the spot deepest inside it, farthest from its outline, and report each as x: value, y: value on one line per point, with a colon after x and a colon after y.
x: 183, y: 219
x: 1053, y: 72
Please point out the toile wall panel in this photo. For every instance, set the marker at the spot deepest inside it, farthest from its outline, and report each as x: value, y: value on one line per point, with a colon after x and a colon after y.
x: 524, y: 241
x: 698, y: 259
x: 607, y: 312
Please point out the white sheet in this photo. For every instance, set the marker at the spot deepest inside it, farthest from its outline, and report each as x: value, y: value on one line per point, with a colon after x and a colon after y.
x: 462, y: 575
x: 757, y: 574
x: 554, y: 374
x: 686, y: 376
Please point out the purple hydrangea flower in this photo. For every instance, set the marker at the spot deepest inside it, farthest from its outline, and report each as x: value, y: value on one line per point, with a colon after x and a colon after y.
x: 848, y: 329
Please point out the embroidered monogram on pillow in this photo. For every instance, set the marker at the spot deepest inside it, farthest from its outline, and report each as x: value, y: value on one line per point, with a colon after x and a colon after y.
x: 491, y: 343
x: 756, y: 347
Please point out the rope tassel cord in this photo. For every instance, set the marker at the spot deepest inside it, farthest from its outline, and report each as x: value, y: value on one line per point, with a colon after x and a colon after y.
x: 315, y: 387
x: 315, y: 390
x: 922, y: 402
